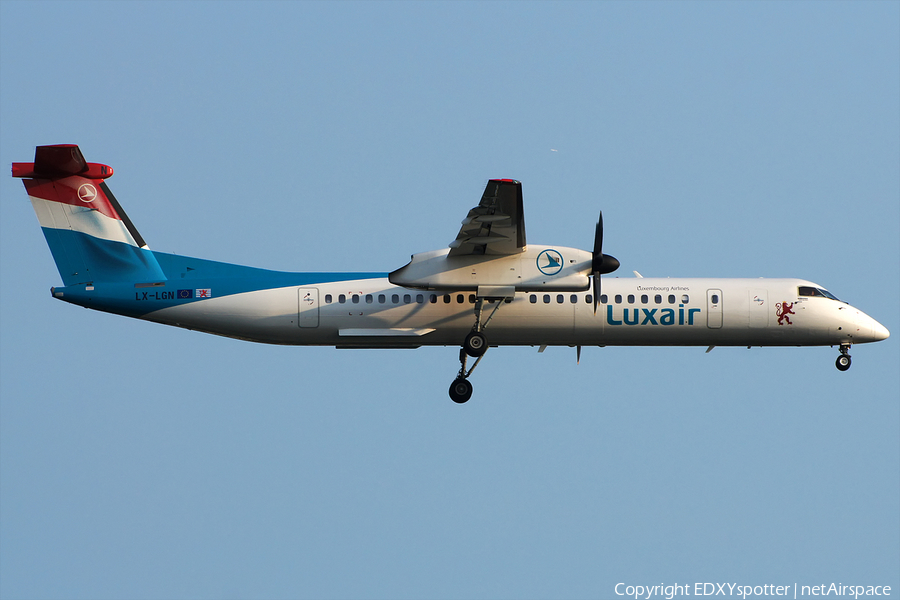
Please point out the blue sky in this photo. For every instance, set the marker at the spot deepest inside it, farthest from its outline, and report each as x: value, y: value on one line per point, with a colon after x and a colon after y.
x: 719, y: 139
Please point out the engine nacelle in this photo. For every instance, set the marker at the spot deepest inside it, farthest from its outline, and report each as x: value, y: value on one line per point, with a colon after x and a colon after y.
x: 536, y: 268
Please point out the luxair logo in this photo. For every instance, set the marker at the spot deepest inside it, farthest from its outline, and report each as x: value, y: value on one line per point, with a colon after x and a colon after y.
x: 550, y: 262
x: 87, y: 192
x: 652, y: 316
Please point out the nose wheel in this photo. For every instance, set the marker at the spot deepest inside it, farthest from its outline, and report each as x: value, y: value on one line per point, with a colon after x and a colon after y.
x: 843, y: 361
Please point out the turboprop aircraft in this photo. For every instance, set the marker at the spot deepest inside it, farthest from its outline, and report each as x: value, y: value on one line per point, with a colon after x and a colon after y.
x: 488, y: 288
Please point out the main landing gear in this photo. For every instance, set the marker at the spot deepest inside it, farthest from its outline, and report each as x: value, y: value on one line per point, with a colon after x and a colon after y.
x: 475, y: 345
x: 461, y: 388
x: 843, y: 361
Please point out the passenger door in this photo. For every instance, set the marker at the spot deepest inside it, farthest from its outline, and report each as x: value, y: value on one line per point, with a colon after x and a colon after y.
x: 714, y: 309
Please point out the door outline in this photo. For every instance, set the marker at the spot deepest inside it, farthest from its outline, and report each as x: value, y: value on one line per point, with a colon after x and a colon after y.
x: 308, y: 307
x: 714, y: 309
x: 759, y: 308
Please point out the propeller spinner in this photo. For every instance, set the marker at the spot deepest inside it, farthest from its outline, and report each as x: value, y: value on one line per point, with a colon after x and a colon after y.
x: 601, y: 264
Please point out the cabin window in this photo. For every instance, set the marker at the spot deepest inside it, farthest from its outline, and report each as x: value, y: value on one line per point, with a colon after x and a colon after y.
x: 657, y: 298
x: 355, y: 298
x: 645, y: 299
x: 433, y: 298
x: 671, y: 298
x: 603, y: 299
x: 381, y: 299
x: 407, y: 298
x: 714, y: 298
x: 588, y: 299
x: 532, y: 298
x: 471, y: 298
x: 369, y: 299
x: 630, y: 298
x: 560, y: 298
x: 420, y: 299
x: 327, y: 298
x: 395, y: 298
x: 546, y: 298
x: 685, y: 298
x: 573, y: 299
x: 342, y: 298
x: 618, y: 298
x: 460, y: 298
x: 447, y: 298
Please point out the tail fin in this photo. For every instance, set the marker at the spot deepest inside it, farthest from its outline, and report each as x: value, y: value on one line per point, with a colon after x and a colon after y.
x: 90, y: 236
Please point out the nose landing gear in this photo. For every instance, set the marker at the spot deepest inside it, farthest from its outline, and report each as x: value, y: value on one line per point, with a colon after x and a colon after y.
x: 843, y: 361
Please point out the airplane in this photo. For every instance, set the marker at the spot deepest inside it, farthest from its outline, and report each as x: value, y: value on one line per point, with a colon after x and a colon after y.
x: 488, y: 288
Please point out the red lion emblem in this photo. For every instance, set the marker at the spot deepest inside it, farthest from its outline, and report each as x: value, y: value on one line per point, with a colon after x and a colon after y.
x: 782, y: 310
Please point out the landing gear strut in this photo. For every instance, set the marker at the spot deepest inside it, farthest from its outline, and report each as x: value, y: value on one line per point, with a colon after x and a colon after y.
x: 475, y: 345
x: 843, y: 361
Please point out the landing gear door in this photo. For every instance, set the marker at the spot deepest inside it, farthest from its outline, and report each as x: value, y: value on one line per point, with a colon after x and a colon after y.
x: 308, y: 311
x: 714, y: 309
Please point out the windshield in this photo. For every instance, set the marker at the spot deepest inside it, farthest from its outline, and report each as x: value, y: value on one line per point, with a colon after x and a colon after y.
x: 808, y: 291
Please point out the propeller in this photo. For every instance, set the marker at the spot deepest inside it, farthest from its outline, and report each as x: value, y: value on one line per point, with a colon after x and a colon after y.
x: 601, y: 264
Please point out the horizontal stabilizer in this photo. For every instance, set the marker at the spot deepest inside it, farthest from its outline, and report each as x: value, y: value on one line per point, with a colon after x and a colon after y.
x: 61, y: 160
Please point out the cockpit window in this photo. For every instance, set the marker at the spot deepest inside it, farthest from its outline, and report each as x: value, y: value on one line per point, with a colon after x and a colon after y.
x: 809, y: 291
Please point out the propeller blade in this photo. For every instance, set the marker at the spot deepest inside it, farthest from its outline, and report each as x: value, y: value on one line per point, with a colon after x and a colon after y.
x: 597, y: 258
x: 601, y: 264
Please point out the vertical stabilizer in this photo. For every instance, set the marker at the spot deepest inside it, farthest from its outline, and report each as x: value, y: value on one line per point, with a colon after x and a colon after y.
x: 90, y: 236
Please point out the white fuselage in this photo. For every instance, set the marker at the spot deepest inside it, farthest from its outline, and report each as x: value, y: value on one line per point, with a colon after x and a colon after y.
x: 373, y: 313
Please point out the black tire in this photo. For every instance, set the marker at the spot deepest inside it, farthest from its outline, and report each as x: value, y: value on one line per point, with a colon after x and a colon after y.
x: 460, y: 390
x: 842, y: 362
x: 475, y: 344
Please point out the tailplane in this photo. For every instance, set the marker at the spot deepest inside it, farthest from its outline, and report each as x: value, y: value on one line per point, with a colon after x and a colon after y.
x: 90, y: 236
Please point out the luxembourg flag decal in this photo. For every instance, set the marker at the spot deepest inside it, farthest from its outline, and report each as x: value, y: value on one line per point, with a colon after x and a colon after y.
x: 204, y: 293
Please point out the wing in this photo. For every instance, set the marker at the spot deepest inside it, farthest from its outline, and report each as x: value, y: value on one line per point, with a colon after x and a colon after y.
x: 497, y: 225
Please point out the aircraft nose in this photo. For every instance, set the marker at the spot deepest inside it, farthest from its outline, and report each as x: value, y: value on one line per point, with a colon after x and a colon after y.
x: 870, y: 330
x: 879, y: 331
x: 867, y: 328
